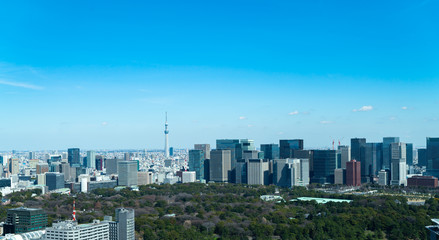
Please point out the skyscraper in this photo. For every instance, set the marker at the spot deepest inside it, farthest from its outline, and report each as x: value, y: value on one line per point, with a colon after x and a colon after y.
x: 344, y: 154
x: 399, y: 166
x: 205, y: 148
x: 124, y: 224
x: 422, y: 157
x: 257, y: 172
x: 324, y: 165
x: 99, y: 163
x: 271, y: 151
x: 299, y: 172
x: 14, y: 165
x: 353, y: 173
x: 166, y: 137
x: 433, y: 153
x: 196, y: 163
x: 127, y: 173
x: 73, y: 156
x: 91, y: 159
x: 286, y: 147
x: 409, y: 157
x: 112, y: 165
x: 387, y: 160
x: 356, y: 145
x: 220, y: 165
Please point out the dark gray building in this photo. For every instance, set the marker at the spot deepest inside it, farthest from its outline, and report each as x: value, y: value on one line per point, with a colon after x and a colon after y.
x: 196, y: 163
x: 422, y: 157
x: 73, y: 156
x: 271, y: 151
x: 387, y: 141
x: 112, y: 165
x: 286, y: 147
x: 409, y: 157
x: 22, y: 220
x: 54, y: 180
x: 205, y: 148
x: 220, y: 165
x: 127, y: 173
x: 324, y: 166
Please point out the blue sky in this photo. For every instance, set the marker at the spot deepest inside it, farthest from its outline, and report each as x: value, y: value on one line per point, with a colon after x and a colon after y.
x: 101, y: 74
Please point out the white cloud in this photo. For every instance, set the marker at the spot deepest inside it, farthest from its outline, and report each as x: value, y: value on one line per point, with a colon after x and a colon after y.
x: 404, y: 108
x: 363, y: 109
x: 293, y: 113
x: 242, y: 118
x: 18, y: 84
x: 393, y: 118
x: 104, y: 124
x: 326, y: 122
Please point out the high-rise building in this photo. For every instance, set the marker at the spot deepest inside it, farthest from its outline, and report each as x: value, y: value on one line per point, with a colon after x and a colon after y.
x: 371, y: 154
x: 230, y: 144
x: 409, y: 157
x: 353, y: 173
x: 422, y: 157
x: 247, y: 145
x: 356, y: 145
x: 71, y: 230
x: 344, y: 155
x: 54, y: 180
x: 127, y: 173
x: 271, y: 151
x: 205, y: 148
x: 432, y: 153
x: 14, y: 165
x: 324, y: 165
x: 299, y: 172
x: 123, y: 228
x: 112, y: 164
x: 31, y: 155
x: 73, y: 156
x: 220, y: 165
x: 166, y: 137
x: 99, y: 163
x: 257, y: 172
x: 280, y: 173
x: 42, y: 168
x: 383, y: 177
x: 91, y: 159
x: 399, y: 166
x: 21, y: 220
x: 340, y: 176
x: 196, y: 163
x: 286, y: 147
x: 387, y: 160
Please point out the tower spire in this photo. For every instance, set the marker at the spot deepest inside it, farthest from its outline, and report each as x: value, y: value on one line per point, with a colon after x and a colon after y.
x: 74, y: 210
x: 166, y: 135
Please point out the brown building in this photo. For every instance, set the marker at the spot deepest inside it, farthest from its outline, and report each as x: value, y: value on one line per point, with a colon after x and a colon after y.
x: 353, y: 173
x: 424, y: 181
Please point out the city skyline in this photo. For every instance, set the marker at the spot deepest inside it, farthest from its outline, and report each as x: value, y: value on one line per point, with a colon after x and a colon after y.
x: 101, y: 76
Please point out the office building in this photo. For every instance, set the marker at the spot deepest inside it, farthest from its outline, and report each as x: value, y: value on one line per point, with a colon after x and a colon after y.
x: 383, y: 177
x: 353, y: 173
x: 188, y: 176
x: 91, y: 159
x: 21, y: 220
x: 73, y: 156
x: 299, y: 172
x: 99, y: 163
x: 343, y: 156
x: 33, y: 163
x: 387, y: 160
x: 340, y: 176
x: 42, y: 168
x: 143, y: 178
x: 324, y: 165
x: 207, y: 170
x: 54, y: 180
x: 31, y: 155
x: 432, y: 154
x: 422, y: 157
x: 247, y: 145
x: 271, y: 151
x: 422, y: 181
x: 371, y: 153
x: 205, y: 148
x: 71, y: 230
x: 123, y: 228
x: 112, y: 165
x: 41, y: 179
x: 127, y: 173
x: 399, y: 166
x: 234, y: 146
x: 257, y: 172
x: 356, y: 147
x: 14, y: 166
x: 196, y: 163
x: 220, y: 165
x: 286, y: 147
x: 409, y: 151
x: 280, y: 173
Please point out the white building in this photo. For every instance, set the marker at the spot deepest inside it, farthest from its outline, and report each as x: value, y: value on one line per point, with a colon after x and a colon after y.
x: 187, y: 177
x: 257, y: 172
x: 71, y: 230
x: 299, y: 171
x: 398, y: 166
x: 383, y: 178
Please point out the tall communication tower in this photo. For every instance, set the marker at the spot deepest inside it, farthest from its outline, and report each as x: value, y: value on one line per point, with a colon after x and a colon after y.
x: 166, y: 136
